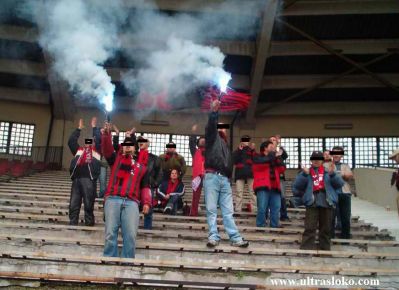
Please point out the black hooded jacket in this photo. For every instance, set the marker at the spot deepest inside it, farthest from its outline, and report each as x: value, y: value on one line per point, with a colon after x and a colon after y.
x: 217, y: 151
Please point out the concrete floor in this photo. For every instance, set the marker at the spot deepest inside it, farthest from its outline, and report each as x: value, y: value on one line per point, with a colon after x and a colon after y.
x: 377, y: 215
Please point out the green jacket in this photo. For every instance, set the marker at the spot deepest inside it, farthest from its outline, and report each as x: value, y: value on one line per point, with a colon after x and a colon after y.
x: 172, y: 161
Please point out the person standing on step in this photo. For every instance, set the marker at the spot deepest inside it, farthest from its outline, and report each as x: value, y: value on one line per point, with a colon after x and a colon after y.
x: 267, y: 169
x: 153, y: 165
x: 128, y: 187
x: 243, y: 159
x: 170, y: 193
x: 320, y: 187
x: 197, y: 150
x: 343, y: 212
x: 84, y: 170
x: 217, y: 187
x: 97, y: 132
x: 172, y: 160
x: 395, y: 176
x: 283, y: 156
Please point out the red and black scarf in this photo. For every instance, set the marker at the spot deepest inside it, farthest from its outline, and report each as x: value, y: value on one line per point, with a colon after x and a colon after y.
x: 87, y: 156
x: 317, y: 178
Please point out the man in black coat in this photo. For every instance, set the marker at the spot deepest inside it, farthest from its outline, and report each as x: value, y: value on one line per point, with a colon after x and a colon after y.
x: 217, y: 186
x: 84, y: 170
x: 153, y: 164
x: 242, y: 159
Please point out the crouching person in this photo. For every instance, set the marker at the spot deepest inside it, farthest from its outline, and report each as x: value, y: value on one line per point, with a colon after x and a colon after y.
x: 84, y: 169
x: 320, y: 197
x: 170, y: 193
x: 128, y: 187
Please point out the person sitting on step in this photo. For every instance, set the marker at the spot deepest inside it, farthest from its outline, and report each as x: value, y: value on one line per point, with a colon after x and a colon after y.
x: 170, y: 193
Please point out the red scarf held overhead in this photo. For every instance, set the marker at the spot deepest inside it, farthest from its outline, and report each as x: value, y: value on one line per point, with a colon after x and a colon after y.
x: 318, y: 178
x: 86, y: 157
x: 172, y: 186
x: 198, y: 162
x: 143, y: 157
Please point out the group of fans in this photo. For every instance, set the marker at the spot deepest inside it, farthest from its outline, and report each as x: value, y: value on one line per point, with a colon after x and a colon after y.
x: 140, y: 180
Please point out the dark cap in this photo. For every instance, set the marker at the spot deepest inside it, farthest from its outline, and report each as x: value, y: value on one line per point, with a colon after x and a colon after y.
x: 88, y: 141
x: 317, y: 155
x: 141, y: 139
x: 170, y: 145
x: 223, y: 126
x: 265, y: 144
x: 129, y: 141
x: 337, y: 150
x: 245, y: 138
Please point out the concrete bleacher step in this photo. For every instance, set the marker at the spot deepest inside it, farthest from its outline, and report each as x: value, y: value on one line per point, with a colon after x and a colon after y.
x: 258, y: 240
x: 181, y: 271
x: 37, y: 243
x: 62, y: 208
x: 40, y: 215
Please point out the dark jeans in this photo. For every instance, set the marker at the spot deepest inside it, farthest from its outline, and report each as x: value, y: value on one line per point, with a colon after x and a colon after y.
x: 174, y: 203
x: 268, y: 199
x: 283, y: 209
x: 343, y: 213
x: 82, y: 189
x: 321, y: 217
x: 148, y: 217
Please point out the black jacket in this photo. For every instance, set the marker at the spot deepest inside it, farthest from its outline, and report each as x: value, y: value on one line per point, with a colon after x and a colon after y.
x: 92, y: 170
x: 243, y: 159
x: 217, y: 152
x: 154, y: 170
x: 192, y: 143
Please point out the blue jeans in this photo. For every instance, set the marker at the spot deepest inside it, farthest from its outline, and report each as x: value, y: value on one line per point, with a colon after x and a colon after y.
x: 217, y: 190
x: 124, y: 213
x: 268, y: 199
x: 103, y: 181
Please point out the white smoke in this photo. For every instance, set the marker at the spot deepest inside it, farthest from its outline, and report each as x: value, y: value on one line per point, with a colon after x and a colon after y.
x: 181, y: 66
x: 80, y: 36
x: 176, y: 59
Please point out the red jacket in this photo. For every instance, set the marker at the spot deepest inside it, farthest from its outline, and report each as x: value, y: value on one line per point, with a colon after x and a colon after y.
x: 267, y: 170
x: 128, y: 178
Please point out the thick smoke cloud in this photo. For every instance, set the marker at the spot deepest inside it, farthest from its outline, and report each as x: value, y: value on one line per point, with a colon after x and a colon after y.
x: 176, y: 59
x: 80, y: 36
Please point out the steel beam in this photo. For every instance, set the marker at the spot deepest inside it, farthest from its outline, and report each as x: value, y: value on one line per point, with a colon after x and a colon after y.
x: 339, y: 55
x: 262, y: 52
x: 320, y: 84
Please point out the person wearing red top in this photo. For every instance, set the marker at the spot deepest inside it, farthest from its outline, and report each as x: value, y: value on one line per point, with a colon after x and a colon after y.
x: 197, y: 149
x: 267, y: 168
x: 128, y: 187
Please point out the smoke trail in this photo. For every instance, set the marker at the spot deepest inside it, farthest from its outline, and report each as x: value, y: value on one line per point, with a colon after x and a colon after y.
x: 80, y: 36
x: 176, y: 59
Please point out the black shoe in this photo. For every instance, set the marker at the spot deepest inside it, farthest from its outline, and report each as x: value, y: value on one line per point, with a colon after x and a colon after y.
x: 167, y: 210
